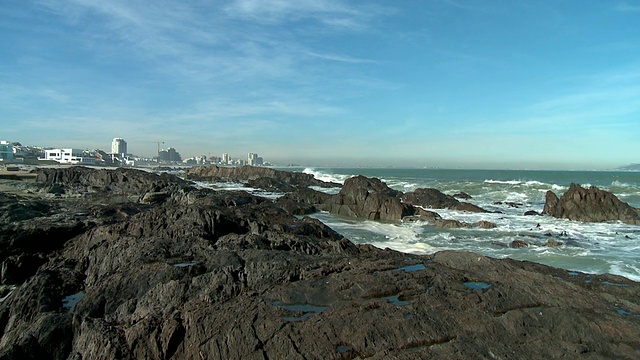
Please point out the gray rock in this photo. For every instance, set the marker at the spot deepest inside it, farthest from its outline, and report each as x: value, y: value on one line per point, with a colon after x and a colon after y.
x: 590, y: 205
x: 370, y: 198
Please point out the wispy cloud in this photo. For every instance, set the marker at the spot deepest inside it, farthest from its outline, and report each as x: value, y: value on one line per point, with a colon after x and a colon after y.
x: 626, y: 7
x: 334, y: 13
x: 341, y: 58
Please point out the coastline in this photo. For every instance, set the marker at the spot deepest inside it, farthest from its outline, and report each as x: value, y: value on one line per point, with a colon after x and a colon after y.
x: 171, y: 270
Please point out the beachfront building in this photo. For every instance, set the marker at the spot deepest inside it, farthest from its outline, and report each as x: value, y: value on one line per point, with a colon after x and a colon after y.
x: 6, y: 152
x: 69, y: 156
x: 169, y: 155
x: 119, y: 147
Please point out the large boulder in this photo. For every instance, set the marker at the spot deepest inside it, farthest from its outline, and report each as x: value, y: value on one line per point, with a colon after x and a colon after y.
x: 435, y: 199
x: 372, y: 199
x: 591, y: 205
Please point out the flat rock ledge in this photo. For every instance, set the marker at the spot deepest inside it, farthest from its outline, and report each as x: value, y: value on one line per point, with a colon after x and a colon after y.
x: 201, y: 274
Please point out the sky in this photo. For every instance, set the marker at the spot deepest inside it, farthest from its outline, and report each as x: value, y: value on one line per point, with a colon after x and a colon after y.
x: 544, y: 84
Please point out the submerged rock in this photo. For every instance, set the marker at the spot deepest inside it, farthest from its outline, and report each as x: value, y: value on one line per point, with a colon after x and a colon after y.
x: 462, y: 195
x: 518, y: 244
x: 590, y: 205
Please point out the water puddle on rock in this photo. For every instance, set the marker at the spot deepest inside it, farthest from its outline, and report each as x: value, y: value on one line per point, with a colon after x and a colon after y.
x: 186, y: 264
x: 476, y: 285
x: 70, y: 302
x: 624, y: 312
x: 306, y: 310
x: 613, y: 284
x: 412, y: 268
x: 394, y: 299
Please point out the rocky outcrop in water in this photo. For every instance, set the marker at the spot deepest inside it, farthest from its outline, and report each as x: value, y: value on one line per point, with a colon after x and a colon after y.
x: 592, y: 205
x: 253, y: 173
x: 370, y: 198
x: 209, y: 274
x: 435, y: 199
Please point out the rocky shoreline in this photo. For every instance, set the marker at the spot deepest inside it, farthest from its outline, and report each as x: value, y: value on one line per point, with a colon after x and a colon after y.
x: 126, y: 264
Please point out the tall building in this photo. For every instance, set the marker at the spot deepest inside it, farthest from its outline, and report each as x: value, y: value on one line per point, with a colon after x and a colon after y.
x: 119, y: 146
x: 226, y: 159
x: 170, y: 155
x: 252, y: 159
x: 6, y: 151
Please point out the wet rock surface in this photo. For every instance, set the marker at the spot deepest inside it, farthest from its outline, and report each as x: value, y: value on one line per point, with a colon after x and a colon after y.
x: 260, y: 176
x: 226, y: 275
x: 591, y: 205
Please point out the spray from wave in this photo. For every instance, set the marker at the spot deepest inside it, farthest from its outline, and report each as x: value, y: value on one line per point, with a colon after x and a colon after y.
x: 326, y: 176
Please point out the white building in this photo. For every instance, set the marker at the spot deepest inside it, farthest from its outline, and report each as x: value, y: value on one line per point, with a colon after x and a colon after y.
x: 6, y: 151
x: 119, y: 146
x: 226, y: 159
x: 254, y: 160
x: 68, y: 156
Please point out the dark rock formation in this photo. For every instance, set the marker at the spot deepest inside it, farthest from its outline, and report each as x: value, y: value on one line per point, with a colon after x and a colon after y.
x: 271, y: 184
x: 462, y: 195
x: 435, y: 199
x: 227, y: 275
x: 15, y: 208
x: 370, y: 198
x: 591, y: 205
x: 531, y: 213
x: 246, y: 173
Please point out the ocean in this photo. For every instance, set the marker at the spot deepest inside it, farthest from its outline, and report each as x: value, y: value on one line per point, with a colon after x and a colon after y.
x: 586, y: 247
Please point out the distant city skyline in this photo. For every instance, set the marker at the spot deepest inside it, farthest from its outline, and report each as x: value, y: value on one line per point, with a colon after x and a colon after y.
x: 438, y: 83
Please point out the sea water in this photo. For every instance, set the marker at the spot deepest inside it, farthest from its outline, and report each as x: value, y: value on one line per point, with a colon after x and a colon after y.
x: 611, y: 247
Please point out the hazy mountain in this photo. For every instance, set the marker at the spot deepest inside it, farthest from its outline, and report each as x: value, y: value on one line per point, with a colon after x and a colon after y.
x: 632, y: 167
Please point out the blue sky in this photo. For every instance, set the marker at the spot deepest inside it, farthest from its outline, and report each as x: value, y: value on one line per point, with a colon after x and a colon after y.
x: 449, y: 83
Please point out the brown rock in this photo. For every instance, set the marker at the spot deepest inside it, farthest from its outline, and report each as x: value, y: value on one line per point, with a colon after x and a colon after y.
x: 483, y: 224
x: 518, y: 244
x: 553, y: 243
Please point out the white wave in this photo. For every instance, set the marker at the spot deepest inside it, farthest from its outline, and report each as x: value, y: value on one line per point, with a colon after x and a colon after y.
x: 326, y: 177
x: 627, y: 270
x: 535, y: 183
x: 503, y: 182
x: 330, y: 191
x: 618, y: 183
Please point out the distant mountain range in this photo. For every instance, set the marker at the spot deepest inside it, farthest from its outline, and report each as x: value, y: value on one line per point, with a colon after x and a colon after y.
x: 632, y: 167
